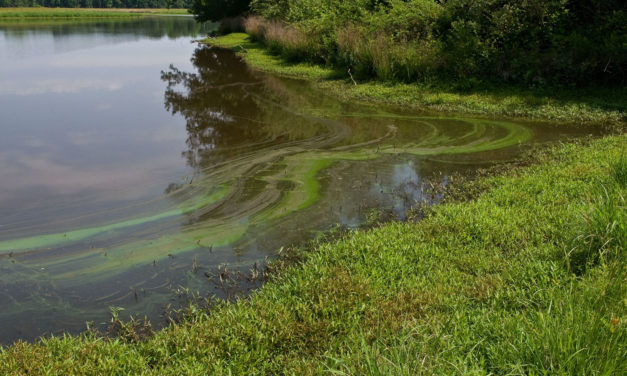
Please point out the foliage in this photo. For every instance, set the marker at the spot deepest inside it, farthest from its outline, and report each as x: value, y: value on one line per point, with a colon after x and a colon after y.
x: 479, y: 287
x: 534, y: 43
x: 217, y: 10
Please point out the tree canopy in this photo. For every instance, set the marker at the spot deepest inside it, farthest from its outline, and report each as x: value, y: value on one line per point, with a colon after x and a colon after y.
x: 216, y: 10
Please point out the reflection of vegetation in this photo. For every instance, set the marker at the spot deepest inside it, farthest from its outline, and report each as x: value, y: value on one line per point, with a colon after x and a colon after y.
x: 153, y: 27
x: 228, y: 107
x: 27, y: 13
x: 82, y: 7
x: 210, y: 101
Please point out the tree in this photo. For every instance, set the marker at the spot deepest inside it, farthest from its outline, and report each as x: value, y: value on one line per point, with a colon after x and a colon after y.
x: 217, y: 10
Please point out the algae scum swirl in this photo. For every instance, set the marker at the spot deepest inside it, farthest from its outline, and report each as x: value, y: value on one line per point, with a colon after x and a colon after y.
x: 265, y: 163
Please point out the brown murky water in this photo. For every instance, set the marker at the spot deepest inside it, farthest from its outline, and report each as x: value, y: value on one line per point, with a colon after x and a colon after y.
x: 133, y: 161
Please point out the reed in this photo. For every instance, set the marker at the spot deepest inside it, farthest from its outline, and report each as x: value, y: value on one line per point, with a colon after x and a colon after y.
x: 284, y: 40
x: 383, y: 57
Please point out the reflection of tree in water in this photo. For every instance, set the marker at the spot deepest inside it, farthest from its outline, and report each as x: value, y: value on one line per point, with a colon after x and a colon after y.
x: 120, y: 29
x: 216, y: 104
x: 230, y: 110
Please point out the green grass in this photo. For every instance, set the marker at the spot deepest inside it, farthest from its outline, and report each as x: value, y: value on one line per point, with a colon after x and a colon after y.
x: 603, y: 106
x: 619, y: 169
x: 488, y: 286
x: 44, y: 13
x: 258, y: 57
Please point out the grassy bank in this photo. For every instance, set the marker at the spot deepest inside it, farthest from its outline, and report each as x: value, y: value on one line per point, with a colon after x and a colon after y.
x: 603, y: 106
x: 527, y: 278
x: 43, y: 13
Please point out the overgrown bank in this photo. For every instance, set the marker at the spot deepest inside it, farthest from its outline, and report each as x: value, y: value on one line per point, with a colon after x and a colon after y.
x: 528, y: 278
x: 461, y: 43
x: 605, y: 106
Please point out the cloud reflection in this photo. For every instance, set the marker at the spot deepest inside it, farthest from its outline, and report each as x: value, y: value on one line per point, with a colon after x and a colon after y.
x: 57, y: 86
x: 22, y: 171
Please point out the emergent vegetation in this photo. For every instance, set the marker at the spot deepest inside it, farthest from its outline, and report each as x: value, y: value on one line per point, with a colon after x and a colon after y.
x: 528, y: 277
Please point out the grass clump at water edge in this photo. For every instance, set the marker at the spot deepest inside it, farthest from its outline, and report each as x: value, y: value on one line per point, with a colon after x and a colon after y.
x: 482, y: 287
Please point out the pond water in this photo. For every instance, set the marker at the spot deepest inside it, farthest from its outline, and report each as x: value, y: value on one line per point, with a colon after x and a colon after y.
x: 134, y: 162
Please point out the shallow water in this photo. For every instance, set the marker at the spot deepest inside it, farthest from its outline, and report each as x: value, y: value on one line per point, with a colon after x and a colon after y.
x: 133, y: 161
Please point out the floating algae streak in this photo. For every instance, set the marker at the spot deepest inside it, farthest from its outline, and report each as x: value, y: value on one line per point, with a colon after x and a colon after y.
x: 99, y: 207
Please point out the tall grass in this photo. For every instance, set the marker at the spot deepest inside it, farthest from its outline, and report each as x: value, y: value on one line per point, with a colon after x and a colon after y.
x: 619, y: 170
x: 603, y: 234
x: 289, y: 42
x: 581, y: 331
x: 382, y: 56
x: 364, y: 53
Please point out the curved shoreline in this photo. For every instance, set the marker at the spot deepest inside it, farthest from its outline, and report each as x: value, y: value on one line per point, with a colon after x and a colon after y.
x: 605, y: 107
x: 481, y: 285
x: 512, y: 281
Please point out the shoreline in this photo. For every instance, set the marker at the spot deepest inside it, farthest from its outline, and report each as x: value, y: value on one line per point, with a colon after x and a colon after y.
x: 605, y: 107
x: 483, y: 285
x: 526, y: 277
